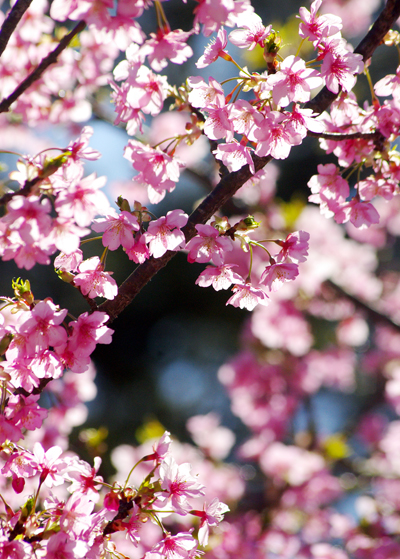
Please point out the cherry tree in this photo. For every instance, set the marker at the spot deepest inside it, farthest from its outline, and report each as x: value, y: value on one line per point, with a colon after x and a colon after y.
x: 311, y: 269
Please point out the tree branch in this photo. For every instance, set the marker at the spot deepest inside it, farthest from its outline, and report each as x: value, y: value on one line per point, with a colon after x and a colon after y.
x: 231, y: 183
x: 375, y: 136
x: 224, y: 190
x: 11, y: 22
x: 372, y: 40
x: 371, y: 313
x: 51, y: 58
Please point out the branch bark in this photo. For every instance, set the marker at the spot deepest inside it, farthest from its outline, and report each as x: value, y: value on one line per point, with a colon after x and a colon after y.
x: 225, y: 189
x: 231, y: 183
x: 11, y: 22
x: 51, y: 58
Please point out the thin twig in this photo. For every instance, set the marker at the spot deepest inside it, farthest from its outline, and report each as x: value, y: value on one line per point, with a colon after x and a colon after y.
x: 342, y: 137
x: 11, y: 22
x: 371, y: 313
x: 51, y: 58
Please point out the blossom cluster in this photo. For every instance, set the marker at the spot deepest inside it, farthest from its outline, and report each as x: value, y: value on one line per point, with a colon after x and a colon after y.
x: 75, y: 524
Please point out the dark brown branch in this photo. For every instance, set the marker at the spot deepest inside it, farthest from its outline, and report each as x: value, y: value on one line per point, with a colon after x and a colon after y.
x: 372, y: 40
x: 342, y: 137
x: 26, y: 190
x: 371, y: 313
x: 11, y: 22
x: 225, y: 189
x: 51, y: 58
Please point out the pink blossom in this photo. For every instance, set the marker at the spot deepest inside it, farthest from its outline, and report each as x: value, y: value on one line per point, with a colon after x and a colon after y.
x: 180, y: 546
x: 314, y: 27
x: 88, y: 331
x: 178, y: 485
x: 80, y: 147
x: 205, y: 96
x: 29, y: 216
x: 207, y: 245
x: 139, y: 251
x: 212, y: 14
x: 165, y: 234
x: 218, y: 124
x: 63, y: 545
x: 220, y: 277
x: 339, y: 70
x: 158, y: 170
x: 389, y: 85
x: 274, y: 137
x: 214, y: 50
x: 295, y: 247
x: 41, y: 326
x: 76, y: 513
x: 361, y: 214
x: 293, y: 82
x: 246, y: 296
x: 118, y: 229
x: 93, y: 281
x: 275, y: 275
x: 251, y: 33
x: 65, y: 235
x: 84, y: 478
x: 69, y: 262
x: 290, y: 463
x: 214, y: 439
x: 212, y: 515
x: 162, y: 46
x: 81, y: 199
x: 235, y: 156
x: 147, y: 91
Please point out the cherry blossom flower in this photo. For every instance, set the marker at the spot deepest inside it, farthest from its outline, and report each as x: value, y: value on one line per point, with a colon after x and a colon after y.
x: 158, y: 170
x: 178, y: 485
x: 41, y: 326
x: 274, y: 137
x: 314, y: 27
x: 214, y: 50
x: 207, y: 245
x: 84, y: 478
x: 180, y: 546
x: 118, y: 229
x: 147, y: 91
x: 220, y: 277
x: 212, y: 515
x: 235, y: 155
x: 293, y: 82
x: 295, y: 247
x: 62, y: 544
x: 162, y: 46
x: 339, y: 70
x: 361, y: 214
x: 93, y: 281
x: 82, y: 199
x: 205, y: 96
x: 246, y: 296
x: 80, y: 147
x: 88, y: 331
x: 165, y: 234
x: 251, y: 33
x: 275, y: 275
x: 69, y: 262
